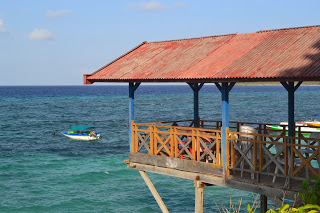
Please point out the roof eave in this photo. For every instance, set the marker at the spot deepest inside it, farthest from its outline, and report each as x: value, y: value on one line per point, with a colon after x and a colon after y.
x: 202, y: 80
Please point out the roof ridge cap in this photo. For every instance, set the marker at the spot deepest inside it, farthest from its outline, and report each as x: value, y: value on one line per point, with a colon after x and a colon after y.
x: 194, y: 38
x: 259, y: 31
x: 288, y: 28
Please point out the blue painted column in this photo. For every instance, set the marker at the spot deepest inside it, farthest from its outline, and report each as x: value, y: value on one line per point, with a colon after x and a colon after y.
x: 225, y: 88
x: 291, y: 109
x: 291, y: 88
x: 132, y: 89
x: 195, y: 105
x: 225, y: 120
x: 196, y: 88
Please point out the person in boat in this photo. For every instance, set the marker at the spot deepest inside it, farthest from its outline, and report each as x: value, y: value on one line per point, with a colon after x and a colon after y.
x: 93, y: 134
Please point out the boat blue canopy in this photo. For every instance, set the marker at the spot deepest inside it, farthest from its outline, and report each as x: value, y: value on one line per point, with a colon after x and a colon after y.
x: 81, y: 127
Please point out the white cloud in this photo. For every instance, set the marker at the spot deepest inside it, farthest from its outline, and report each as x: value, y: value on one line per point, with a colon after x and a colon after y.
x: 3, y: 28
x: 58, y: 13
x: 154, y: 6
x: 41, y: 34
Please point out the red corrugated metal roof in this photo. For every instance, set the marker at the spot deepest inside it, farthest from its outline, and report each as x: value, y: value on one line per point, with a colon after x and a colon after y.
x: 274, y: 55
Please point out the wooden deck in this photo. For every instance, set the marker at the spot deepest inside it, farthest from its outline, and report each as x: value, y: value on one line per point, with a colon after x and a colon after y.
x: 179, y: 150
x: 187, y: 169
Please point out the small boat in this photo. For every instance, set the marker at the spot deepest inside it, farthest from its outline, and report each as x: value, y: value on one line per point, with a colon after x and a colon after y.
x: 82, y: 132
x: 306, y: 127
x: 315, y: 122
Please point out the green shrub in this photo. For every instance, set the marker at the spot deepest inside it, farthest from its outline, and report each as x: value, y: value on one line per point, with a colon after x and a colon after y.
x: 311, y: 194
x: 286, y: 208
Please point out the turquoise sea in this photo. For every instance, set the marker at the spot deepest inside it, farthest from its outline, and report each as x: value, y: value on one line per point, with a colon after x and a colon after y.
x: 42, y: 172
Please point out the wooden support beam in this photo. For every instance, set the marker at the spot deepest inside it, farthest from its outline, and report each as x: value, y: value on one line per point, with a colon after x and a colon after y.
x: 176, y: 163
x: 270, y: 192
x: 198, y: 195
x: 153, y: 191
x: 85, y: 79
x: 263, y: 203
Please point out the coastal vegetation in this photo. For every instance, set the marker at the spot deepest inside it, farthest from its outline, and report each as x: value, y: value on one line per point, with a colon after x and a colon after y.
x: 310, y: 195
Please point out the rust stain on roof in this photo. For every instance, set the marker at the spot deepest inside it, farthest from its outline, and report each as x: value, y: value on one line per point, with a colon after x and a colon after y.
x: 292, y: 54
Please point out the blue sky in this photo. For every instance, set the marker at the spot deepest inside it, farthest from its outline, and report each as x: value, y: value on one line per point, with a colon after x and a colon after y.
x: 55, y: 42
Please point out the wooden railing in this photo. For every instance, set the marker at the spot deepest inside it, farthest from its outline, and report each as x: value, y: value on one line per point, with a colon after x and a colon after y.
x: 234, y: 126
x: 197, y: 144
x: 260, y: 154
x: 284, y: 154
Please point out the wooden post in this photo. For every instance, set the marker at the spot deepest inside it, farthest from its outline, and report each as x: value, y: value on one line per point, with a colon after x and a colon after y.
x: 132, y: 89
x: 225, y: 125
x: 291, y: 88
x: 225, y: 89
x: 154, y: 191
x: 196, y: 105
x: 196, y: 88
x: 290, y: 108
x: 263, y: 203
x: 198, y: 195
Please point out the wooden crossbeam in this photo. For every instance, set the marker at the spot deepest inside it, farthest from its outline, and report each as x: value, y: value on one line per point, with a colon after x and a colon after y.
x: 229, y: 86
x: 154, y: 191
x: 184, y: 147
x: 287, y: 86
x: 305, y: 162
x: 143, y: 143
x: 207, y: 149
x: 243, y: 155
x: 163, y: 144
x: 273, y: 158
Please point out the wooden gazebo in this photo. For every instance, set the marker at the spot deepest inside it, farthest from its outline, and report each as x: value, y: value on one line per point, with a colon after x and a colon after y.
x: 220, y: 152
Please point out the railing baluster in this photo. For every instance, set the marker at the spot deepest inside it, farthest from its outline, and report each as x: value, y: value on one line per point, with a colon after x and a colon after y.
x: 289, y: 148
x: 255, y: 156
x: 218, y: 149
x: 261, y: 153
x: 232, y: 150
x: 318, y: 158
x: 133, y: 133
x: 193, y: 143
x: 171, y: 145
x: 135, y: 138
x: 175, y: 142
x: 153, y: 139
x: 228, y: 151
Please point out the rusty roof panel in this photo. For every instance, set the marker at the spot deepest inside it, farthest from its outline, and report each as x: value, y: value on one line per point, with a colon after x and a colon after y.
x: 222, y: 57
x: 264, y: 59
x: 176, y: 57
x: 266, y: 55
